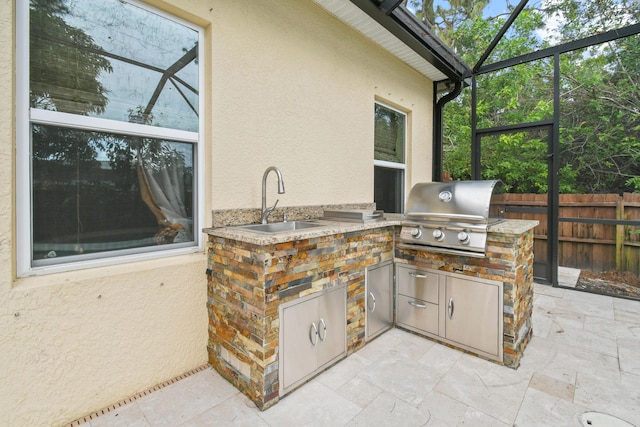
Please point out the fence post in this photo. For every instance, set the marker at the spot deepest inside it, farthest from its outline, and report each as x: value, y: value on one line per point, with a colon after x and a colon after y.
x: 619, y: 235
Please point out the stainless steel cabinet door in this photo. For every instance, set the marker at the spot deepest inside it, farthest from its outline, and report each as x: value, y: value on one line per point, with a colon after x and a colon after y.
x: 472, y: 313
x: 332, y: 325
x: 379, y: 299
x: 313, y: 333
x: 299, y: 341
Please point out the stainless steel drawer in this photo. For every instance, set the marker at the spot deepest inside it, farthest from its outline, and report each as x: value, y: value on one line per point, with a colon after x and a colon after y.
x: 418, y: 284
x: 418, y: 314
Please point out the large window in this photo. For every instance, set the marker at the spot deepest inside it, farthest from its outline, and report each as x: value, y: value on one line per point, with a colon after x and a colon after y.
x: 108, y: 133
x: 389, y: 158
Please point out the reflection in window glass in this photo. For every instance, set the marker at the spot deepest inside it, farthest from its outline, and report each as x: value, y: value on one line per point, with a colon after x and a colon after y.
x: 388, y: 184
x: 389, y: 134
x: 389, y: 148
x: 114, y: 131
x: 98, y: 192
x: 114, y: 60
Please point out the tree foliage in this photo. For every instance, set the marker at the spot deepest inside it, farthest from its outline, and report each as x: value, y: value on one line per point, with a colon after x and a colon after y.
x: 85, y: 184
x: 600, y: 118
x: 600, y: 91
x: 64, y: 67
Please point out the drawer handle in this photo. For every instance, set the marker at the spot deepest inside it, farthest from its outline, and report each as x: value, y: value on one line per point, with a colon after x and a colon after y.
x: 451, y: 307
x: 418, y: 275
x: 372, y: 298
x: 416, y: 305
x: 324, y: 328
x: 313, y: 332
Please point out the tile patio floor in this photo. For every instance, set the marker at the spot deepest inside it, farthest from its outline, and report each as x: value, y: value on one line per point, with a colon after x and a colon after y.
x: 584, y: 356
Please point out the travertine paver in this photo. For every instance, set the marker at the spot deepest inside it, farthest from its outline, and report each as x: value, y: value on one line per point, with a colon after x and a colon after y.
x: 557, y: 381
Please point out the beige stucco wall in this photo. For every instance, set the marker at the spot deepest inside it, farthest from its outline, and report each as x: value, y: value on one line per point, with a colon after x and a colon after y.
x: 287, y: 85
x: 293, y: 87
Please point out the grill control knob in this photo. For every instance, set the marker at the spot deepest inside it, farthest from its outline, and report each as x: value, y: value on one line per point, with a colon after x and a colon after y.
x: 438, y: 235
x: 416, y: 233
x: 445, y: 196
x: 464, y: 237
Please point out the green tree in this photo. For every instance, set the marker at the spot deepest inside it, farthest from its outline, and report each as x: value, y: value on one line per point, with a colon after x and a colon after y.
x: 600, y: 120
x: 517, y: 159
x: 446, y: 21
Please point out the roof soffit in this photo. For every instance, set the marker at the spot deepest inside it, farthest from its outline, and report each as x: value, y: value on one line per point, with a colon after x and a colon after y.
x: 400, y: 43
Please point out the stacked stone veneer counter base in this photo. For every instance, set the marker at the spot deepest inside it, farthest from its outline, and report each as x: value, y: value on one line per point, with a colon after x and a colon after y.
x: 509, y: 259
x: 249, y: 277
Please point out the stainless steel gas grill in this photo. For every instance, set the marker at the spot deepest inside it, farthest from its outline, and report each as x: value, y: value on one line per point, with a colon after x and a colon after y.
x: 449, y: 217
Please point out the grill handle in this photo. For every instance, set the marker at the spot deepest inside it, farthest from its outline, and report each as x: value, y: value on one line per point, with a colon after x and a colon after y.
x: 425, y: 216
x: 441, y: 250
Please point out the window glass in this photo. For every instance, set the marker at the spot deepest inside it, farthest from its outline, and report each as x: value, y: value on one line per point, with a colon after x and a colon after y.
x: 114, y: 60
x: 113, y: 131
x: 100, y: 192
x: 389, y: 158
x: 389, y: 134
x: 388, y: 185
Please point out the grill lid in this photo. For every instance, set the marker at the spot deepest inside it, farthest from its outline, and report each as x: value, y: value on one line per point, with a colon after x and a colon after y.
x: 454, y: 201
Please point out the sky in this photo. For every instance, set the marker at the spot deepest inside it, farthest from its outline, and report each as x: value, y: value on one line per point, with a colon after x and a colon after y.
x: 550, y: 32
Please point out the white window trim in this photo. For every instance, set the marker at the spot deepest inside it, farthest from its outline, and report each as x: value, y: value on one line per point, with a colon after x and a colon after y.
x: 25, y: 116
x: 390, y: 165
x: 96, y: 124
x: 386, y: 163
x: 395, y: 165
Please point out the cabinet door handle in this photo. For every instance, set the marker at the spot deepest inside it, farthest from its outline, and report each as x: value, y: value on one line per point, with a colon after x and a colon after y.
x: 324, y: 328
x: 418, y: 275
x: 450, y: 308
x: 313, y: 332
x: 372, y: 298
x: 416, y: 305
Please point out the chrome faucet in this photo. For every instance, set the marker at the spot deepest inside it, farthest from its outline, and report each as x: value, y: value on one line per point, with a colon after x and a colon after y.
x: 267, y: 211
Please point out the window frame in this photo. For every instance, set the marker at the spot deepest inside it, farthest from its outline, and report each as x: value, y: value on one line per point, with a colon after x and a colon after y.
x: 394, y: 165
x: 26, y: 116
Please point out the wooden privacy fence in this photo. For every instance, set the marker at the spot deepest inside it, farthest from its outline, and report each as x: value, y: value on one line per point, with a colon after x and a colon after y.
x: 588, y: 236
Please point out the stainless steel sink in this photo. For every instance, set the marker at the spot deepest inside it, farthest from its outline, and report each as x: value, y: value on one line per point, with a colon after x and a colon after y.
x: 278, y: 227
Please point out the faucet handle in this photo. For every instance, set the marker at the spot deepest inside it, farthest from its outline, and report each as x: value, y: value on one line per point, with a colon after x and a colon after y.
x: 268, y: 211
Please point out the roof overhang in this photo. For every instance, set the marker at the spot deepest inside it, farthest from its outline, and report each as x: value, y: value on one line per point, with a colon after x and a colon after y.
x: 400, y: 33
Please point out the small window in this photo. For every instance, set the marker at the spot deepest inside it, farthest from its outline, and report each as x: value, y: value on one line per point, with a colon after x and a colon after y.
x: 108, y: 148
x: 389, y: 158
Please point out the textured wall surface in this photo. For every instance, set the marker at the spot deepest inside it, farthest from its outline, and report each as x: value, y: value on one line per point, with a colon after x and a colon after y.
x: 287, y: 85
x: 76, y: 342
x: 295, y: 88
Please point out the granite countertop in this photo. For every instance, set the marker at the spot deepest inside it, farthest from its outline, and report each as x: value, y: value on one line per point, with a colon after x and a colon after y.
x: 327, y: 228
x: 513, y: 226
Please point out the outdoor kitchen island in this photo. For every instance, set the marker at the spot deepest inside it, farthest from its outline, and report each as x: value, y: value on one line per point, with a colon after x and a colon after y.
x: 254, y: 279
x: 507, y: 266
